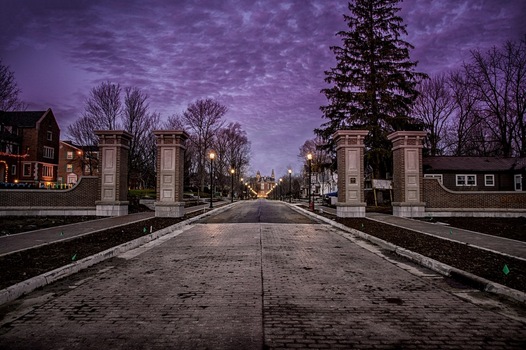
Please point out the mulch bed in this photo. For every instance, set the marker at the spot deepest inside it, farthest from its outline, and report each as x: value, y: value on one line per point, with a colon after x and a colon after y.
x: 23, y: 265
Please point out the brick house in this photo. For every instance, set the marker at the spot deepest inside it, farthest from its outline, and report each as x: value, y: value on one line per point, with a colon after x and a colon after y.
x: 76, y: 161
x: 29, y: 147
x: 477, y: 173
x: 70, y: 164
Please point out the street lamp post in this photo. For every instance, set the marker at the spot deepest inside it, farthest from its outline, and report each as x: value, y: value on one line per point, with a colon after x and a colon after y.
x: 242, y: 189
x: 280, y: 182
x: 290, y: 185
x: 212, y: 156
x: 309, y: 161
x: 232, y: 172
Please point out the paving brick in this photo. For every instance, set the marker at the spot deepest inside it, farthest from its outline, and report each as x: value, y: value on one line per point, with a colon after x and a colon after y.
x: 250, y: 286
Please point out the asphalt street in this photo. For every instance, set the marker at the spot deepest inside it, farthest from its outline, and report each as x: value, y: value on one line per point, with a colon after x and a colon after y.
x: 258, y: 276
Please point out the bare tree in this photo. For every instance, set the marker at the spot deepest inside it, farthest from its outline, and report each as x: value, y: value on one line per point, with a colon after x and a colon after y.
x: 104, y: 106
x: 490, y: 79
x: 321, y: 158
x: 516, y: 56
x: 9, y: 91
x: 203, y: 119
x: 140, y: 124
x: 434, y: 106
x: 81, y: 133
x: 233, y: 150
x: 466, y: 130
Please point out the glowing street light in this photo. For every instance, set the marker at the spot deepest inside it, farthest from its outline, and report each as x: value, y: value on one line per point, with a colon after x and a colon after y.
x: 232, y: 172
x: 212, y: 156
x: 309, y: 161
x: 290, y: 185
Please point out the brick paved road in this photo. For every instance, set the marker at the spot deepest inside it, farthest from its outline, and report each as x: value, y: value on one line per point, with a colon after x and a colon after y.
x: 255, y: 286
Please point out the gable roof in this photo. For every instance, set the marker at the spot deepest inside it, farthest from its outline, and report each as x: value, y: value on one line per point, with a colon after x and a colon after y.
x: 23, y: 119
x: 454, y: 163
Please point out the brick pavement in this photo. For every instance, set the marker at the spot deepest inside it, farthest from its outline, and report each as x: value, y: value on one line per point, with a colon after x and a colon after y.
x: 254, y: 286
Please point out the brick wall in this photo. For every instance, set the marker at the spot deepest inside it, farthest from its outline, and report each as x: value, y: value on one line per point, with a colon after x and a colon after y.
x: 438, y: 197
x: 84, y: 194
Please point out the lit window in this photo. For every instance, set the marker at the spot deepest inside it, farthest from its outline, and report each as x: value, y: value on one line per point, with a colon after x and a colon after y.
x: 69, y: 168
x: 49, y: 152
x: 489, y: 180
x: 69, y: 155
x: 47, y: 171
x: 466, y: 180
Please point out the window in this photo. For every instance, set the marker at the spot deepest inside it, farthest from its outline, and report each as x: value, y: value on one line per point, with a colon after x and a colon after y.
x: 518, y: 182
x: 47, y: 171
x: 466, y: 180
x: 27, y: 169
x: 49, y: 152
x: 69, y: 168
x: 49, y: 136
x: 69, y: 155
x: 489, y: 180
x: 13, y: 169
x: 434, y: 176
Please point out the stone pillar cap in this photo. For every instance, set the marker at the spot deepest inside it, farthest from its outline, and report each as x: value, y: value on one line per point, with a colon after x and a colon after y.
x: 399, y: 134
x: 123, y: 133
x: 180, y: 133
x: 340, y: 133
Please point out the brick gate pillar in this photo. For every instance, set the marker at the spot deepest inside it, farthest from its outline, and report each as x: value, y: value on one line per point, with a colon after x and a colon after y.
x: 350, y: 153
x: 407, y: 173
x: 170, y: 173
x: 114, y: 146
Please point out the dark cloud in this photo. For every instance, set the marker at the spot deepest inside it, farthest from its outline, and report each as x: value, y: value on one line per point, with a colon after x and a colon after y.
x: 263, y: 59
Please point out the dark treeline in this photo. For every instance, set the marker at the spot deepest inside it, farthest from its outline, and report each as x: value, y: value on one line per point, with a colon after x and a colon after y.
x: 478, y: 110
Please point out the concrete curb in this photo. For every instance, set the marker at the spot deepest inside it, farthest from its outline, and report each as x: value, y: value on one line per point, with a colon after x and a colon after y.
x: 15, y: 291
x: 434, y: 265
x: 73, y: 237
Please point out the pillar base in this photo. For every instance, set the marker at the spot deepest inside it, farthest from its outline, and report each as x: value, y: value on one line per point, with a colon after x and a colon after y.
x: 409, y: 210
x: 111, y: 208
x: 346, y: 210
x: 169, y: 209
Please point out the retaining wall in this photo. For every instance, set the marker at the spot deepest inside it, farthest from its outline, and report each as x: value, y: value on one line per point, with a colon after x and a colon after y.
x: 78, y: 200
x: 441, y: 201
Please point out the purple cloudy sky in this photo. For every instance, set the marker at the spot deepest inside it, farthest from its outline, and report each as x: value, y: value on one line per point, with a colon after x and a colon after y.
x: 263, y: 59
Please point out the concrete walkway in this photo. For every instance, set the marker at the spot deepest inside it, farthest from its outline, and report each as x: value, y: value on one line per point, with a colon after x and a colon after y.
x: 31, y: 239
x: 499, y: 244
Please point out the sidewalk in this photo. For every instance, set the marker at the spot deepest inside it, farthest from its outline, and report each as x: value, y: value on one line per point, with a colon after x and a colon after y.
x: 499, y: 244
x: 506, y: 246
x: 26, y: 240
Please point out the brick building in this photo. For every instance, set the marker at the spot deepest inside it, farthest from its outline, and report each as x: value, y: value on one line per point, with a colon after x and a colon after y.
x: 477, y: 173
x: 264, y: 184
x: 29, y: 147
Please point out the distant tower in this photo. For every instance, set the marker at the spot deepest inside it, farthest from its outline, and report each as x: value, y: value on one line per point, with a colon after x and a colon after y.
x: 258, y: 176
x: 272, y: 177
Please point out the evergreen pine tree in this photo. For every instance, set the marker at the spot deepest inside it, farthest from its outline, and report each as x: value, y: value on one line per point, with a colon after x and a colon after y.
x: 374, y: 81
